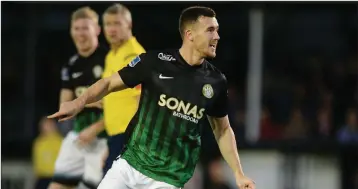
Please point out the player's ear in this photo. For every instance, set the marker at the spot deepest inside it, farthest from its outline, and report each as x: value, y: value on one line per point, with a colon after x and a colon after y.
x: 189, y: 34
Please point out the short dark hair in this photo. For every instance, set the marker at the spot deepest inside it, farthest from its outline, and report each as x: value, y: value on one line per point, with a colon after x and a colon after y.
x: 190, y: 15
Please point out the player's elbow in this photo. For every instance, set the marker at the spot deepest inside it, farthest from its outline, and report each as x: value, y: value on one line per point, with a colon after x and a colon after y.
x: 108, y: 84
x: 222, y: 130
x: 115, y: 83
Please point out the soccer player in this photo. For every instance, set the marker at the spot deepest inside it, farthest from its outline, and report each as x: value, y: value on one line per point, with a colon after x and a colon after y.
x: 80, y: 156
x: 119, y: 107
x: 179, y: 88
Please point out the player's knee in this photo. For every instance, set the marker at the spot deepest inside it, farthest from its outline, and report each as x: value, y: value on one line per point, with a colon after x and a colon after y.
x: 55, y: 185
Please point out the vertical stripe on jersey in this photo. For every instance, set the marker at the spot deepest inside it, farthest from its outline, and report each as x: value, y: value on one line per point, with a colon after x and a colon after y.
x: 175, y: 135
x: 155, y: 134
x: 168, y: 135
x: 187, y: 150
x: 162, y: 122
x: 182, y: 132
x: 140, y: 119
x: 93, y: 117
x: 148, y: 118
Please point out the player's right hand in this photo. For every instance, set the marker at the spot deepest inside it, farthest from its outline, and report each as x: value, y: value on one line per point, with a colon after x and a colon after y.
x: 98, y: 104
x: 67, y: 110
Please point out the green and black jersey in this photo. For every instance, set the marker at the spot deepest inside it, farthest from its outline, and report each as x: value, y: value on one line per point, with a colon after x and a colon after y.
x: 164, y: 135
x: 77, y: 75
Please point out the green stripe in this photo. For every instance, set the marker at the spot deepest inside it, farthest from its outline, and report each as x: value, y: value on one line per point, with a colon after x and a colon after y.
x: 141, y: 113
x: 163, y: 131
x: 93, y: 118
x: 168, y: 136
x: 182, y: 133
x: 157, y: 127
x: 147, y: 121
x: 79, y: 122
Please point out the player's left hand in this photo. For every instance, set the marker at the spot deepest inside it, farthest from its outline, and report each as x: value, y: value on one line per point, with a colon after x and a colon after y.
x: 86, y: 136
x: 244, y: 182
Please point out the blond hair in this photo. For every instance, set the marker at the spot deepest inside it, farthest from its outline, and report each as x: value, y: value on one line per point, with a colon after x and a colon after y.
x: 85, y: 13
x: 118, y: 8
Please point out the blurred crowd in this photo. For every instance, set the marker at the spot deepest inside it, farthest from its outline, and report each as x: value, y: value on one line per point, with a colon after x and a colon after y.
x: 312, y: 100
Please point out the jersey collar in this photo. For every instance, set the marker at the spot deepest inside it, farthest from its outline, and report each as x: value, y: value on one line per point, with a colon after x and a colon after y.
x: 186, y: 65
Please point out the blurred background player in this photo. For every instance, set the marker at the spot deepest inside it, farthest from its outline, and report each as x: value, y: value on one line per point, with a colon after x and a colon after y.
x: 82, y: 150
x: 44, y: 152
x: 119, y: 107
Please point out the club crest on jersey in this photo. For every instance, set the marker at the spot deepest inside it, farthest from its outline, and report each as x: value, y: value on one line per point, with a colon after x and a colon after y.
x: 134, y: 61
x: 97, y: 71
x: 208, y: 91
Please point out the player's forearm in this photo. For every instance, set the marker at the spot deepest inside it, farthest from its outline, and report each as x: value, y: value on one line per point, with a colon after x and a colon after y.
x: 228, y: 148
x: 98, y: 126
x: 95, y: 92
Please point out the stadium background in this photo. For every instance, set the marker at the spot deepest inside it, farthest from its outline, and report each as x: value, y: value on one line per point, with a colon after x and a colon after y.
x: 309, y: 82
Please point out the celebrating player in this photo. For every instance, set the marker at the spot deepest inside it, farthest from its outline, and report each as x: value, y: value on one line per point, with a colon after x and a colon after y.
x: 82, y: 150
x: 179, y: 87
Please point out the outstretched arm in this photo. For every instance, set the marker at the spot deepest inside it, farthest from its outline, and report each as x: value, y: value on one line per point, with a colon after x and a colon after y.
x: 225, y: 138
x: 93, y: 94
x: 130, y: 76
x: 102, y: 88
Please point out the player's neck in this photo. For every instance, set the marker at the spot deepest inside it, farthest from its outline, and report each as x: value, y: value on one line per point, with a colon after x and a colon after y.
x: 89, y: 52
x: 190, y: 55
x: 116, y: 46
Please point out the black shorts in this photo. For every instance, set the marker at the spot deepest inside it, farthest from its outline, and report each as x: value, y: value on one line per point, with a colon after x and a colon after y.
x: 115, y: 146
x: 43, y: 183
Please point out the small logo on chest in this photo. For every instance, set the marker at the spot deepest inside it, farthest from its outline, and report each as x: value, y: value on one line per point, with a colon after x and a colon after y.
x: 76, y: 75
x: 161, y: 76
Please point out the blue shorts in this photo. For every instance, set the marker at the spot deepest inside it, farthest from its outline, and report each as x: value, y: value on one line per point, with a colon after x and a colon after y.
x: 115, y: 146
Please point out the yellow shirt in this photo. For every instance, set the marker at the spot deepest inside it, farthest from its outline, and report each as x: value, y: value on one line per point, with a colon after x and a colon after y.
x: 120, y: 107
x: 44, y: 154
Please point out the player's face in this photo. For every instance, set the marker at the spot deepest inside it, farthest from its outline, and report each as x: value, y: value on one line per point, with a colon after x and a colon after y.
x: 84, y: 33
x: 205, y: 36
x: 116, y: 28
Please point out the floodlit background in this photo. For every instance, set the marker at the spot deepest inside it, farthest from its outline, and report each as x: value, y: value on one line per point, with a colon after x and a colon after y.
x: 292, y: 70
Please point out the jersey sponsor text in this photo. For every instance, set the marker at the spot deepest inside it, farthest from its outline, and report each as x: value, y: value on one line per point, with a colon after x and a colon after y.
x: 181, y: 109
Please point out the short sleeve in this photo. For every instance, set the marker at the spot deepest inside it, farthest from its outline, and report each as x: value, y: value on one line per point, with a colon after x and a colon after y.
x: 136, y: 71
x: 219, y: 108
x: 66, y: 78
